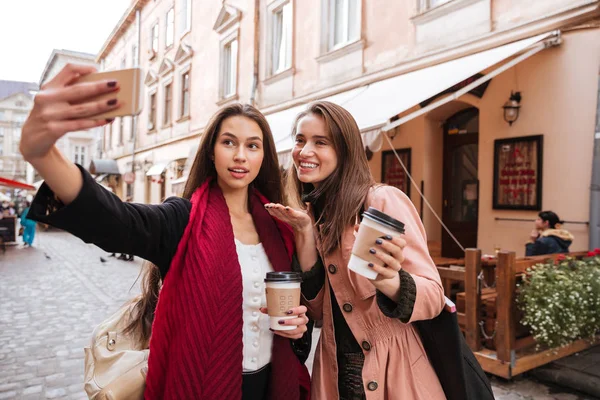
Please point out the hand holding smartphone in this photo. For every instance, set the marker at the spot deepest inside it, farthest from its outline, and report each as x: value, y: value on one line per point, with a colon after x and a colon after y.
x: 128, y: 96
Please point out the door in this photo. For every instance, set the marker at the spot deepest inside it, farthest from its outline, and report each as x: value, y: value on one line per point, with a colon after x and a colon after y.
x: 460, y: 182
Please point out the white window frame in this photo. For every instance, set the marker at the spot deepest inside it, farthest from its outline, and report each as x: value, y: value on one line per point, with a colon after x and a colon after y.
x: 425, y: 5
x: 154, y: 38
x: 229, y: 66
x: 134, y: 55
x: 186, y: 21
x: 82, y: 156
x: 154, y: 127
x: 170, y: 28
x: 277, y: 8
x: 182, y: 113
x: 350, y: 37
x: 166, y: 123
x: 121, y: 131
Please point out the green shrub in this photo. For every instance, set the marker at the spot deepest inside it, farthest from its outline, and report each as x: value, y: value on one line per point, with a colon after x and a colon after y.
x: 561, y: 301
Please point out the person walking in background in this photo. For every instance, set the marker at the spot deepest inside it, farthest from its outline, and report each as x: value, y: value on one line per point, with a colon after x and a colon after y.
x: 547, y: 237
x: 28, y: 227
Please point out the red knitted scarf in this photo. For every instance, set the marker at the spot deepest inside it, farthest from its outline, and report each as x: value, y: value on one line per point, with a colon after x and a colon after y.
x: 196, y: 344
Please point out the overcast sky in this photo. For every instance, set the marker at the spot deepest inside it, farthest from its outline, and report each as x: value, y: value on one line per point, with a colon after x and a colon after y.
x: 31, y: 29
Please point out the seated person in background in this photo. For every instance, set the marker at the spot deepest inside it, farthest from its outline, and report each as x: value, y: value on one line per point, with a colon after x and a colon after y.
x: 547, y: 237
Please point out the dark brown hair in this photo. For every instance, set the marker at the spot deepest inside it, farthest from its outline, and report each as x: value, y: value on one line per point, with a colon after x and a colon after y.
x: 342, y: 194
x: 268, y: 182
x: 551, y: 217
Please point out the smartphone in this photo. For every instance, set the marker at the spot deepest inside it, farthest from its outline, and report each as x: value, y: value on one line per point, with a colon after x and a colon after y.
x: 129, y: 94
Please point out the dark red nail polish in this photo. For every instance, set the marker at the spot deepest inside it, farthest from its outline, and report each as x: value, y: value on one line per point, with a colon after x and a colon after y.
x: 109, y: 120
x: 112, y: 84
x: 371, y: 265
x: 112, y: 102
x: 282, y: 322
x: 388, y: 237
x: 372, y: 251
x: 272, y: 330
x: 379, y: 241
x: 289, y: 312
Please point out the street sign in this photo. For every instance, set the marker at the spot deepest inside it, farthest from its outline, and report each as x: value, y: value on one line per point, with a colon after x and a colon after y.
x: 129, y: 177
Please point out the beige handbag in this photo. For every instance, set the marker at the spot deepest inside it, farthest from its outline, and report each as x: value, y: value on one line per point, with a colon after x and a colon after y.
x: 115, y: 366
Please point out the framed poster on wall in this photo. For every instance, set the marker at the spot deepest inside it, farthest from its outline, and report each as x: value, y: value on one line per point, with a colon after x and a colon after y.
x: 392, y: 172
x: 518, y: 173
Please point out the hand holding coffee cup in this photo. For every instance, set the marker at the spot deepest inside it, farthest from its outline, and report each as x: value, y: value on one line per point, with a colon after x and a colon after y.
x: 299, y: 320
x: 378, y: 248
x: 283, y: 301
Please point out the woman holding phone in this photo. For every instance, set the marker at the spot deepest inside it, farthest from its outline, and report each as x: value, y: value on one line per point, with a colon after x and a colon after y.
x: 209, y: 339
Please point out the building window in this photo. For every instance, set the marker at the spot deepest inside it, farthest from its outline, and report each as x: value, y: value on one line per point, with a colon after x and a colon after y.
x: 124, y: 62
x: 344, y: 22
x: 185, y: 94
x: 154, y: 39
x: 170, y: 31
x: 152, y: 113
x: 121, y: 130
x: 281, y: 57
x: 109, y: 138
x: 129, y: 192
x: 229, y: 69
x: 134, y: 55
x: 168, y: 104
x: 80, y: 150
x: 186, y: 15
x: 425, y: 5
x: 132, y: 128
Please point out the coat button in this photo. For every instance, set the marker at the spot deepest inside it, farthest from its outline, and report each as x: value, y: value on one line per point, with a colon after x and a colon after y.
x: 332, y: 268
x: 372, y: 386
x: 347, y: 307
x: 366, y: 345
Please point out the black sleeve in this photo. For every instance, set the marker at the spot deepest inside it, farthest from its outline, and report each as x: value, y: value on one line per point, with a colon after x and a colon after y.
x: 303, y: 345
x: 98, y: 216
x: 313, y: 280
x: 536, y: 248
x: 403, y: 309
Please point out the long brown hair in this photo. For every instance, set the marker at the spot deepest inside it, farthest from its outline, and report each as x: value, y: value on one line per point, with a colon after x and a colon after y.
x: 268, y: 182
x: 342, y: 194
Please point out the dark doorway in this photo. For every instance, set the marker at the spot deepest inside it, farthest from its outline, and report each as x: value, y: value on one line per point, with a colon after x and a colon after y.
x: 460, y: 181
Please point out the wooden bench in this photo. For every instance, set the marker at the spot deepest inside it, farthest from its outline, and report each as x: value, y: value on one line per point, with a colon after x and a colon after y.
x: 511, y: 351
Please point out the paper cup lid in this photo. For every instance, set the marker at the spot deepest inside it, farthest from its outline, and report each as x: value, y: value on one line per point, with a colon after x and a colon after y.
x: 384, y: 219
x: 283, y: 277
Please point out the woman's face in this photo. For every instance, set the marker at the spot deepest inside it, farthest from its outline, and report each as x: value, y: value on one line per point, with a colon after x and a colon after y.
x: 238, y: 153
x: 314, y: 155
x: 541, y: 225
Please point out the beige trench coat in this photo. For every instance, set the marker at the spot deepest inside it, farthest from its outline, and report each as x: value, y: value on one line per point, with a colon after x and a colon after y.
x: 396, y: 365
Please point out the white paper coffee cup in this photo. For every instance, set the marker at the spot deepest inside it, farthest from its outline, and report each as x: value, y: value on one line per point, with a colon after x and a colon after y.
x: 283, y: 294
x: 375, y: 224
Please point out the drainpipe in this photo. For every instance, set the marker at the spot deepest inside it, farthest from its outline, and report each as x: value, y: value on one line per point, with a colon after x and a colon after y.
x: 138, y: 23
x: 256, y: 51
x: 595, y: 187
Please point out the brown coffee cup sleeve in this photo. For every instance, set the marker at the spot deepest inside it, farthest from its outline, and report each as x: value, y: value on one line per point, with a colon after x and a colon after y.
x: 279, y: 301
x: 365, y: 240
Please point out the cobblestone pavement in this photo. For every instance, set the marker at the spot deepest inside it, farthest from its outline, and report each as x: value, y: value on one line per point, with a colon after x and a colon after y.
x: 54, y: 294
